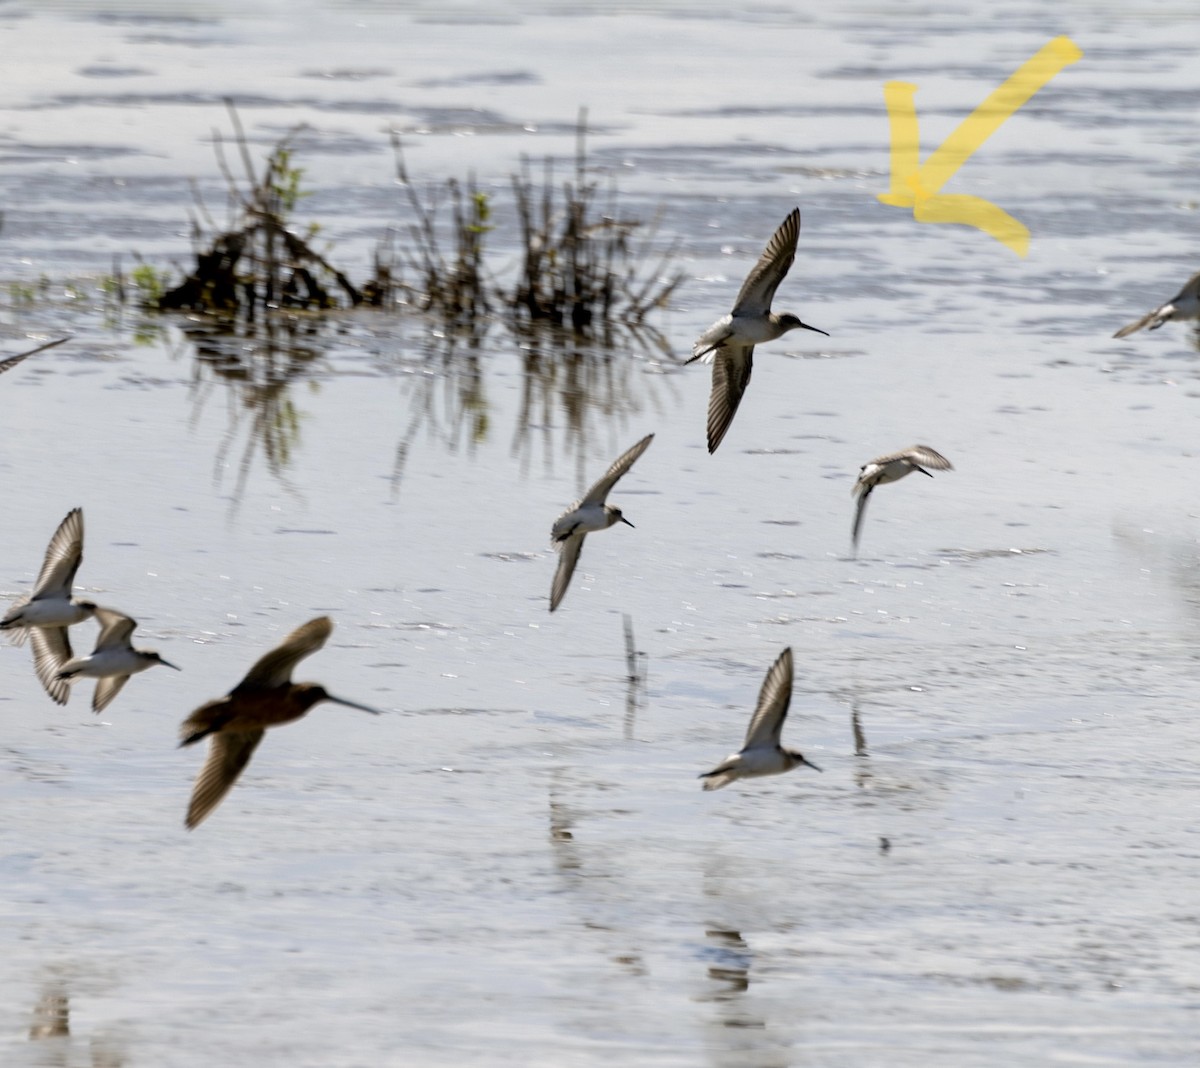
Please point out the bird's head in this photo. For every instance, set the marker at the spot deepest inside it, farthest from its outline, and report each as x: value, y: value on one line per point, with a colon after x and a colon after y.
x: 792, y: 322
x: 796, y: 757
x: 615, y: 516
x: 308, y: 694
x: 154, y: 658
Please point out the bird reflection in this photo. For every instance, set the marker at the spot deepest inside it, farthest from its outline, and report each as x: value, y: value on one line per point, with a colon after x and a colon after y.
x: 732, y: 974
x: 728, y: 991
x: 856, y: 728
x: 636, y: 673
x: 562, y: 838
x: 51, y: 1029
x: 51, y: 1015
x: 862, y: 766
x: 1173, y: 560
x: 257, y: 364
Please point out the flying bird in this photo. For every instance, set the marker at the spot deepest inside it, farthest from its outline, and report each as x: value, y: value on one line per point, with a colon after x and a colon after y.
x: 891, y: 468
x: 113, y: 660
x: 761, y: 753
x: 266, y: 697
x: 1184, y: 305
x: 588, y: 515
x: 50, y: 609
x: 729, y: 342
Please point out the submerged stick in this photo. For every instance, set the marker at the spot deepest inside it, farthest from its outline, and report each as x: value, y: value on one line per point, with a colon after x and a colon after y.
x: 12, y: 361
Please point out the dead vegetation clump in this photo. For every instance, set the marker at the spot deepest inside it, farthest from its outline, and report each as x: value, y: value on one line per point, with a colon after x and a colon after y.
x: 259, y: 261
x: 579, y: 265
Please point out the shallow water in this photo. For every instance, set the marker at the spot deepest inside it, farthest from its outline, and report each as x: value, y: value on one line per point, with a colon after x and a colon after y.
x: 516, y: 865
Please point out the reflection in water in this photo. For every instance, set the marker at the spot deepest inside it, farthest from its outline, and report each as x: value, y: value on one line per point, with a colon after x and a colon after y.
x: 860, y: 739
x: 51, y: 1028
x: 741, y: 1036
x: 580, y: 387
x: 51, y: 1014
x: 862, y: 769
x: 257, y: 364
x: 562, y: 840
x: 635, y: 667
x: 591, y: 891
x: 567, y: 382
x: 737, y: 1032
x: 450, y: 369
x: 731, y: 973
x: 1167, y: 555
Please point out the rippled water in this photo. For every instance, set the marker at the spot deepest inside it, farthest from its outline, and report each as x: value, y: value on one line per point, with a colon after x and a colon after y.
x: 516, y: 865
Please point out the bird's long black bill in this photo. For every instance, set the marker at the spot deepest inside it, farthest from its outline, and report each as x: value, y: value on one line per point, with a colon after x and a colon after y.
x: 811, y: 764
x: 167, y: 663
x: 814, y: 329
x: 627, y: 523
x: 353, y: 704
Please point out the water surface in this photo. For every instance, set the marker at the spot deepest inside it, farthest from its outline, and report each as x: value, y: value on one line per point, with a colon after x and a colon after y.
x: 516, y: 865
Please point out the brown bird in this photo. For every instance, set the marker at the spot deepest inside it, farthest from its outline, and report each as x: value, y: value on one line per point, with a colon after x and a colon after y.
x: 266, y: 697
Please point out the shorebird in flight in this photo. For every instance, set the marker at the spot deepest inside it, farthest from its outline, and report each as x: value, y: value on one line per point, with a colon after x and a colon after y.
x: 236, y: 723
x: 588, y: 515
x: 113, y: 660
x: 761, y: 753
x: 1184, y: 305
x: 729, y: 342
x: 49, y: 610
x: 891, y: 468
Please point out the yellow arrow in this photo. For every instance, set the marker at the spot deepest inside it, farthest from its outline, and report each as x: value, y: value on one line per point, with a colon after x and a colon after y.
x: 918, y: 185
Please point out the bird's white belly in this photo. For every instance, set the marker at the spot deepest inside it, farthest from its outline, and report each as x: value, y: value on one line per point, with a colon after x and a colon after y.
x: 53, y: 612
x: 754, y: 762
x: 884, y: 473
x: 1188, y: 307
x: 108, y: 663
x: 583, y: 520
x: 752, y: 330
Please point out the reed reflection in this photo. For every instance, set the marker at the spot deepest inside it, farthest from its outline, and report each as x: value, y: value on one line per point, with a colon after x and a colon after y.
x: 256, y: 366
x: 446, y: 395
x: 575, y: 394
x: 588, y: 389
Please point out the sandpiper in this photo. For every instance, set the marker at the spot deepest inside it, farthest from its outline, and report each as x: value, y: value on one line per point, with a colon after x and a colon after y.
x: 1184, y: 305
x: 50, y: 609
x: 729, y: 342
x: 761, y: 754
x: 890, y: 468
x: 266, y: 697
x: 113, y: 660
x: 587, y: 515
